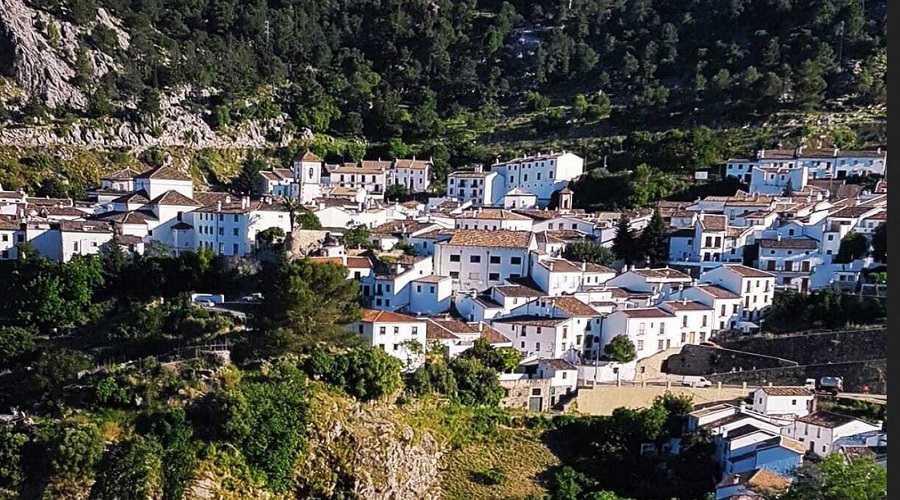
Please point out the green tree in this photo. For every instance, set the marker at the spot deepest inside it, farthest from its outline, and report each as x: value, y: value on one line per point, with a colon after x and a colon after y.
x: 586, y: 251
x: 499, y: 359
x: 266, y: 420
x: 308, y: 220
x: 536, y: 102
x: 810, y: 86
x: 879, y: 243
x: 130, y: 470
x: 625, y: 241
x: 109, y: 392
x: 853, y: 246
x: 306, y: 303
x: 476, y: 384
x: 179, y: 456
x: 620, y: 349
x: 248, y: 180
x: 55, y: 368
x: 11, y: 470
x: 654, y: 241
x: 75, y: 448
x: 15, y: 341
x: 396, y: 192
x: 579, y: 105
x: 357, y: 237
x: 834, y: 479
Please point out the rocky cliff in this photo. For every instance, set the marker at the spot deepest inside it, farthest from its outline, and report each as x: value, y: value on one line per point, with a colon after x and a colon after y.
x: 39, y: 61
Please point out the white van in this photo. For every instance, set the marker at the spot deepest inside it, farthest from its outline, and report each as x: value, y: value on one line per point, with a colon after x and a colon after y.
x: 694, y: 381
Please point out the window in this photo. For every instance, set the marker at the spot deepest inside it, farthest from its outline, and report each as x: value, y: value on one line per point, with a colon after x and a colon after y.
x: 683, y: 337
x: 662, y: 328
x: 75, y: 246
x: 454, y: 258
x: 221, y: 231
x: 396, y: 347
x: 537, y: 346
x: 523, y: 347
x: 565, y: 332
x: 382, y: 330
x: 564, y: 373
x: 454, y: 274
x: 5, y: 237
x: 381, y: 346
x: 660, y: 346
x: 474, y: 259
x: 387, y: 302
x: 723, y: 310
x: 793, y: 402
x: 515, y: 261
x: 235, y: 217
x: 234, y: 232
x: 536, y: 391
x: 684, y: 321
x: 418, y: 288
x: 538, y: 329
x: 640, y: 345
x: 221, y: 217
x: 431, y: 289
x: 642, y: 327
x: 494, y: 277
x: 830, y: 237
x: 234, y: 249
x: 705, y: 318
x: 525, y: 178
x: 495, y: 259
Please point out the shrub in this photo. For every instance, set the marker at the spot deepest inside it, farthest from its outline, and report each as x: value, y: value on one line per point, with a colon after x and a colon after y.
x: 491, y: 477
x: 109, y: 392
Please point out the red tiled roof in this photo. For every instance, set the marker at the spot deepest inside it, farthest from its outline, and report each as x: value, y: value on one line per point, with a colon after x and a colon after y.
x: 374, y: 316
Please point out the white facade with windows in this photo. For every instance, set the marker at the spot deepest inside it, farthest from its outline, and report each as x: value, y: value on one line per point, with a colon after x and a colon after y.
x: 393, y: 333
x: 756, y: 287
x: 476, y: 260
x: 651, y: 329
x: 792, y: 402
x: 540, y: 174
x: 480, y: 188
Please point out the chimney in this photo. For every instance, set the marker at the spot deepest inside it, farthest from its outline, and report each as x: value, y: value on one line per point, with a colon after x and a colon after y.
x: 737, y: 479
x: 245, y: 202
x: 778, y: 237
x: 583, y: 266
x: 479, y: 168
x: 219, y: 206
x: 835, y: 151
x: 228, y: 199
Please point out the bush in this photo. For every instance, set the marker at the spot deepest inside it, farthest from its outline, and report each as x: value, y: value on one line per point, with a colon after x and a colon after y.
x: 130, y: 469
x: 362, y: 372
x: 620, y: 349
x: 266, y: 421
x: 74, y: 449
x: 109, y: 392
x: 14, y: 343
x: 11, y: 472
x: 491, y: 477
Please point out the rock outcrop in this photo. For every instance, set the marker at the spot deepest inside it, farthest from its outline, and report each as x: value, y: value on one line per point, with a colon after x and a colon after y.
x: 39, y: 52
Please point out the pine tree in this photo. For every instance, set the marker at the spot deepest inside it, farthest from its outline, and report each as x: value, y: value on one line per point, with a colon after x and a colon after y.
x: 625, y: 242
x: 654, y: 242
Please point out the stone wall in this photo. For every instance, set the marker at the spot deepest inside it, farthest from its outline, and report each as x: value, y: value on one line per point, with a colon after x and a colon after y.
x: 603, y: 399
x: 703, y: 360
x: 820, y: 347
x: 872, y: 373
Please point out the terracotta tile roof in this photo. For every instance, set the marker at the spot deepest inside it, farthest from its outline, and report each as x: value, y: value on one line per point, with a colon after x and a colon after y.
x: 571, y: 306
x: 327, y: 260
x: 492, y: 336
x: 376, y: 164
x: 130, y: 217
x: 353, y: 168
x: 568, y: 234
x: 747, y: 272
x: 714, y: 222
x: 455, y: 326
x: 682, y: 233
x: 646, y: 312
x: 565, y: 266
x: 826, y: 419
x: 558, y: 364
x: 518, y: 291
x: 689, y: 305
x: 496, y: 239
x: 139, y: 197
x: 166, y: 172
x: 412, y: 204
x: 538, y: 214
x: 469, y: 174
x: 433, y: 331
x: 760, y: 481
x: 62, y: 212
x: 308, y: 156
x: 786, y: 391
x: 172, y: 197
x: 128, y: 239
x: 531, y: 320
x: 359, y: 263
x: 211, y: 197
x: 122, y: 175
x: 83, y: 226
x: 853, y: 453
x: 802, y: 243
x: 412, y: 164
x: 8, y: 223
x: 851, y: 212
x: 525, y: 159
x: 717, y: 292
x: 491, y: 214
x: 373, y: 316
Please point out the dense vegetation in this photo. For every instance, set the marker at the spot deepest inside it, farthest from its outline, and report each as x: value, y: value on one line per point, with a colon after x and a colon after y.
x: 827, y: 309
x: 398, y: 68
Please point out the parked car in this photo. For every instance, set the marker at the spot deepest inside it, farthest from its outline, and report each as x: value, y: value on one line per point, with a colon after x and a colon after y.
x: 710, y: 344
x: 693, y: 381
x: 826, y: 385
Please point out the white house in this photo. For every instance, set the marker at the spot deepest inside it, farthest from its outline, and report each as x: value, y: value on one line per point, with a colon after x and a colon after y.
x: 791, y: 260
x: 756, y: 288
x: 822, y: 163
x: 414, y: 174
x: 695, y: 319
x: 560, y: 276
x: 480, y: 188
x: 9, y: 230
x: 757, y: 483
x: 541, y: 174
x: 819, y: 430
x: 120, y: 180
x: 519, y: 198
x: 82, y: 237
x: 368, y: 175
x: 655, y: 282
x: 793, y: 402
x: 430, y: 294
x: 392, y: 290
x: 279, y: 182
x: 393, y: 333
x: 161, y: 179
x: 651, y: 329
x: 478, y: 259
x: 541, y: 336
x: 775, y: 181
x: 726, y: 305
x: 231, y: 228
x: 387, y: 235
